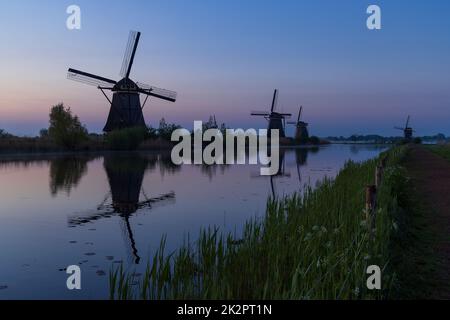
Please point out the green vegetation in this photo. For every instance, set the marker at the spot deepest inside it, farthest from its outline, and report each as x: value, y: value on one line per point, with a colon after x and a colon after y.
x: 442, y: 150
x: 165, y: 129
x: 126, y: 139
x: 65, y: 129
x: 314, y: 246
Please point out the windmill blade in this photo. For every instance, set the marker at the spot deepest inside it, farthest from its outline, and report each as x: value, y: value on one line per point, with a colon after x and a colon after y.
x: 274, y: 100
x: 160, y: 201
x: 130, y: 51
x: 292, y: 122
x: 407, y: 122
x: 89, y: 217
x: 157, y: 92
x: 398, y: 128
x: 260, y: 113
x: 300, y: 113
x: 88, y: 78
x: 130, y: 242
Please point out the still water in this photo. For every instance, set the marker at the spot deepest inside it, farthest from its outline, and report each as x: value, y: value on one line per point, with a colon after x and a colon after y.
x: 98, y: 211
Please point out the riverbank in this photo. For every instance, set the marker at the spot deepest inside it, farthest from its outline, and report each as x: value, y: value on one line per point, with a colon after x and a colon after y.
x: 314, y: 246
x: 36, y: 145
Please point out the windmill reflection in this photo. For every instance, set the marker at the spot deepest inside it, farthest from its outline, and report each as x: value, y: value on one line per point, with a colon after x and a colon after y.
x: 280, y: 173
x: 301, y: 158
x: 125, y: 176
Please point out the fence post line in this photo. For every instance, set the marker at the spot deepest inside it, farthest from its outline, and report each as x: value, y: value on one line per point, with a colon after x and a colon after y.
x: 378, y: 176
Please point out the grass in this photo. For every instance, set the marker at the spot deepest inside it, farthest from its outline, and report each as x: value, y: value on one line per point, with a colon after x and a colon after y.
x: 418, y: 267
x: 314, y: 246
x: 442, y: 150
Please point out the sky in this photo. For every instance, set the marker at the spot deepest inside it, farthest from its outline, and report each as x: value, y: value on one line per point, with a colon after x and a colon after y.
x: 225, y: 57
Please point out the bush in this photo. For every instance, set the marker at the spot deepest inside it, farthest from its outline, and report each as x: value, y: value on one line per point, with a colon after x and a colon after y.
x: 65, y: 129
x: 126, y: 139
x: 314, y: 140
x: 165, y: 129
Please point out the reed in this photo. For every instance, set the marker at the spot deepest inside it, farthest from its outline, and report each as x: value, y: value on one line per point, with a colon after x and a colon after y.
x: 311, y: 246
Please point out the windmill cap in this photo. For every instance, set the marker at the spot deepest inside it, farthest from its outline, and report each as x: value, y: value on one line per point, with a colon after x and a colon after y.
x: 125, y: 85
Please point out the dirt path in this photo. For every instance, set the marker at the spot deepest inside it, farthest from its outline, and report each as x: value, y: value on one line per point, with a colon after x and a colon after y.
x: 430, y: 175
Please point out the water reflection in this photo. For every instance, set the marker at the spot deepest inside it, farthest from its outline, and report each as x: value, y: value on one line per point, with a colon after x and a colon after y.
x: 125, y: 174
x: 133, y: 190
x: 66, y: 173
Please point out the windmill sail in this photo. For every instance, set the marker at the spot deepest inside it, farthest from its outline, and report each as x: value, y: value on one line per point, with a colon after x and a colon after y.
x: 130, y: 51
x: 89, y: 78
x: 274, y: 100
x: 157, y: 92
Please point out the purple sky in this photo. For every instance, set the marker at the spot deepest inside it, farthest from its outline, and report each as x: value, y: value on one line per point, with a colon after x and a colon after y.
x: 226, y: 57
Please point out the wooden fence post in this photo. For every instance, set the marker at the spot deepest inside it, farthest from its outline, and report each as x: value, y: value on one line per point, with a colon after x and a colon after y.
x: 378, y: 176
x: 371, y: 201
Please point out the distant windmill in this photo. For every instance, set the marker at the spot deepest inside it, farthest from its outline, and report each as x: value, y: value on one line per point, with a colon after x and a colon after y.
x: 126, y: 108
x: 407, y: 130
x: 301, y: 128
x: 276, y: 119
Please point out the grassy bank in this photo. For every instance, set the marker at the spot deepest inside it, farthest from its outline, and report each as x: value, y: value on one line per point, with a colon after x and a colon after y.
x: 441, y: 150
x: 25, y: 145
x: 316, y: 246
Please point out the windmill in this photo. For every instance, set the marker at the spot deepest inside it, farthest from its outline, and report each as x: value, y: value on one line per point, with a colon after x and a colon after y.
x: 126, y: 108
x: 276, y: 119
x: 407, y: 130
x: 301, y: 128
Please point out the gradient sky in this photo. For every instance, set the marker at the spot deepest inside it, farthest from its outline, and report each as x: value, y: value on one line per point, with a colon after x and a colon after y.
x: 226, y: 57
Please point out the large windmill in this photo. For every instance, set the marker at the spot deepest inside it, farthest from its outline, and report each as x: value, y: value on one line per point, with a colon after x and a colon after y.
x: 276, y: 119
x: 301, y: 128
x: 126, y: 108
x: 407, y: 130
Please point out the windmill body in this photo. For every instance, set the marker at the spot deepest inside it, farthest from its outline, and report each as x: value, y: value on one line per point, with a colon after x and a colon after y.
x: 407, y: 130
x: 126, y: 107
x: 301, y: 128
x: 276, y: 119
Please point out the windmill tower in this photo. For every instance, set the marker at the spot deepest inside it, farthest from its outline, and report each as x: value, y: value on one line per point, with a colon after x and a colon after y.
x: 407, y: 130
x: 301, y: 128
x: 276, y: 119
x: 126, y: 108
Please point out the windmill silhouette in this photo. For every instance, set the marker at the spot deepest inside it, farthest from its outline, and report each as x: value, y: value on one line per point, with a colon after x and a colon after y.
x: 301, y: 128
x: 125, y: 176
x: 407, y: 130
x: 276, y: 119
x: 126, y: 108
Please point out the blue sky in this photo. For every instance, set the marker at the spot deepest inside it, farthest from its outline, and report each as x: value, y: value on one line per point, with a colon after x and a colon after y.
x: 226, y: 57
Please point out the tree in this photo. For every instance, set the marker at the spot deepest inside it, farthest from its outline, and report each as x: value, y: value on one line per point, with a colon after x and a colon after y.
x: 65, y: 129
x: 165, y: 130
x: 43, y: 133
